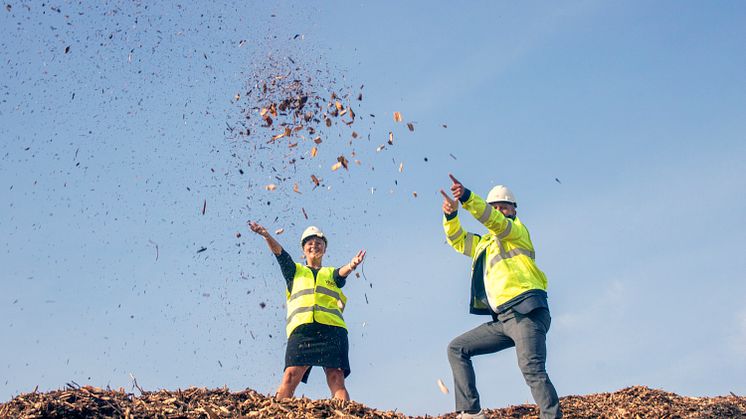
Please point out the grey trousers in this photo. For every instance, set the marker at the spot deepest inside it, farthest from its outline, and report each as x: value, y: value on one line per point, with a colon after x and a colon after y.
x: 527, y: 332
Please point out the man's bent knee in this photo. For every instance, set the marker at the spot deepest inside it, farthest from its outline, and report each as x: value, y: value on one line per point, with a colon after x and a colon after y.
x: 455, y: 350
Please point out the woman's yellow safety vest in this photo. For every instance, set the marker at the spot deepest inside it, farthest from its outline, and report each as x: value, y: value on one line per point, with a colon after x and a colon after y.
x: 316, y: 299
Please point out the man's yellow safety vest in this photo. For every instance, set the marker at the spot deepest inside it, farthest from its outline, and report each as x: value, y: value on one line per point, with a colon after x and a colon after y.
x: 312, y: 300
x: 508, y: 269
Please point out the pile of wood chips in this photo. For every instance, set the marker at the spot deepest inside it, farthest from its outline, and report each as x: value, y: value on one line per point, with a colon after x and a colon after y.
x: 89, y: 402
x: 93, y: 402
x: 634, y: 402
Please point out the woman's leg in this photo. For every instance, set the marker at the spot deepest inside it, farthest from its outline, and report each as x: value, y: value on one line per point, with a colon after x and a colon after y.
x: 290, y: 380
x: 335, y: 377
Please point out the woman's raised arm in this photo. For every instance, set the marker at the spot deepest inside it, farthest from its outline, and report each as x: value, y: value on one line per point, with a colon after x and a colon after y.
x: 274, y: 246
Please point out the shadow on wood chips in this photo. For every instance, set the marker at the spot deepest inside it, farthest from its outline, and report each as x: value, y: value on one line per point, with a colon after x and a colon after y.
x: 90, y: 402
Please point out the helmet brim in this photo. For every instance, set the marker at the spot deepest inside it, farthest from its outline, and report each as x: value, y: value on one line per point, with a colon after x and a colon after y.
x: 303, y: 242
x: 504, y: 202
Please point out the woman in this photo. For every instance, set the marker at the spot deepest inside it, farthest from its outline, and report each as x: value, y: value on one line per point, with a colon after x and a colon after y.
x: 317, y: 334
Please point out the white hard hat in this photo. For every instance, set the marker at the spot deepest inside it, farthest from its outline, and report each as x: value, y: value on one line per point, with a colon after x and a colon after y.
x: 310, y: 232
x: 501, y: 193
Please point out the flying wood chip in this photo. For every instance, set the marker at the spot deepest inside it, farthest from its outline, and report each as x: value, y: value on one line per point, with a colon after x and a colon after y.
x: 443, y: 388
x: 414, y: 194
x: 397, y: 117
x: 391, y: 138
x: 315, y: 180
x: 296, y: 189
x: 304, y: 213
x: 410, y: 126
x: 67, y: 49
x: 285, y: 133
x: 338, y: 105
x: 279, y: 231
x: 317, y: 140
x: 204, y: 207
x: 354, y: 134
x: 271, y: 187
x: 343, y: 161
x: 401, y: 167
x: 336, y: 166
x: 314, y: 151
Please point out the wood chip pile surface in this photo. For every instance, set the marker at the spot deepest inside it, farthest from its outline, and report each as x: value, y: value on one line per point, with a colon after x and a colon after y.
x: 89, y: 402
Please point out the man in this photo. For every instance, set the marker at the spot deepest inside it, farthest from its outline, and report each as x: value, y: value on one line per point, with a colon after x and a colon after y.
x: 506, y: 284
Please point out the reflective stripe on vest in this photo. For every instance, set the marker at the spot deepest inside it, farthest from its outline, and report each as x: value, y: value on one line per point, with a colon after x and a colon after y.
x: 327, y: 291
x: 507, y: 255
x: 468, y: 242
x: 319, y: 289
x: 316, y: 307
x: 505, y: 233
x: 486, y: 214
x: 300, y: 294
x: 456, y: 235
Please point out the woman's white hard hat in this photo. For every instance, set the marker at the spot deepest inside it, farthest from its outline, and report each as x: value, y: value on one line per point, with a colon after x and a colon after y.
x: 310, y: 232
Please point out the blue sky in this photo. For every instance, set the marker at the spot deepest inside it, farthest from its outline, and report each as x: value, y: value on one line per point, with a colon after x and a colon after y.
x: 637, y: 108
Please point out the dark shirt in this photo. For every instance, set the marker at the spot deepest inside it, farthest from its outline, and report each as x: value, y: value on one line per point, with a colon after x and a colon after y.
x: 287, y: 266
x: 526, y: 302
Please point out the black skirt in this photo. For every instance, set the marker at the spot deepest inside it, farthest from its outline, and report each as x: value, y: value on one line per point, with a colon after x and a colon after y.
x: 316, y: 344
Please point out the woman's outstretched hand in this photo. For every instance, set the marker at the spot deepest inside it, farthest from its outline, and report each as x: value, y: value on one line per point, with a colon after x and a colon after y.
x: 358, y: 259
x: 258, y: 229
x: 347, y: 269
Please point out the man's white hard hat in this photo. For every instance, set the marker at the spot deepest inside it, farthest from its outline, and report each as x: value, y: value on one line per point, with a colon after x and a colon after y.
x: 310, y: 232
x: 501, y: 193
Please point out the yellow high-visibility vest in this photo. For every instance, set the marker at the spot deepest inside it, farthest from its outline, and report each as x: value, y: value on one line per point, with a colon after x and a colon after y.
x: 509, y: 267
x: 320, y: 299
